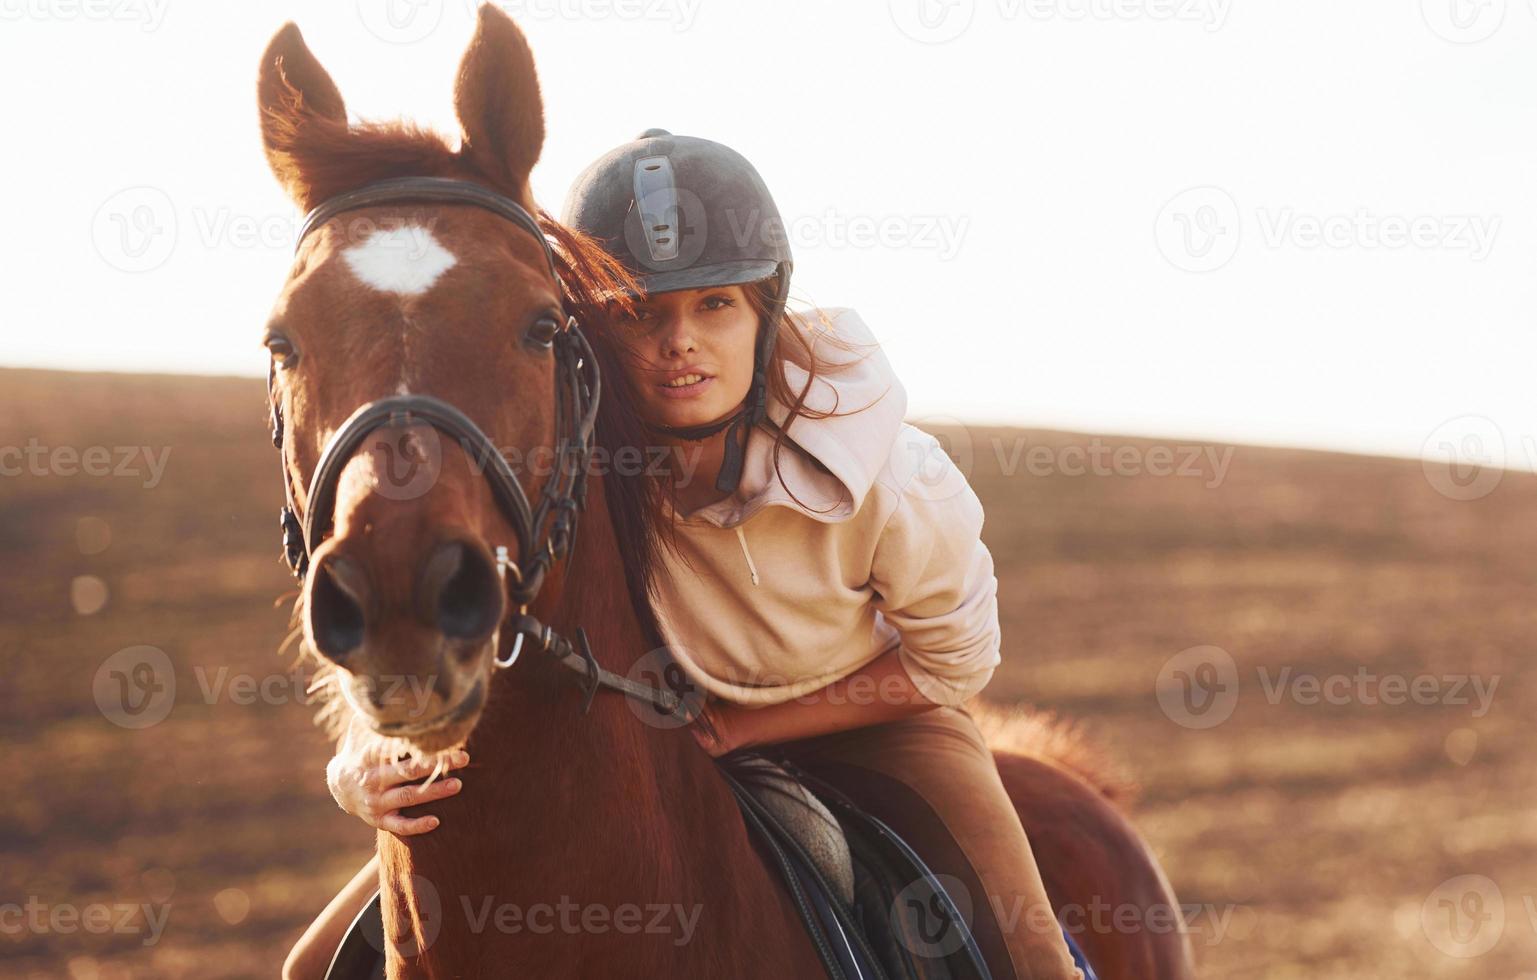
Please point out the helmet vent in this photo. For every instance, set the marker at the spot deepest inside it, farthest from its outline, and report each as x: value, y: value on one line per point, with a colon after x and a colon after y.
x: 656, y: 198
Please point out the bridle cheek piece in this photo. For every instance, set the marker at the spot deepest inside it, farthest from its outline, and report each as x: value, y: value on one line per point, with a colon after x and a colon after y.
x: 546, y: 533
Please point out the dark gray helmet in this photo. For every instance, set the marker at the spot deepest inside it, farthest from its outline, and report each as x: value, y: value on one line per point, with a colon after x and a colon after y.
x: 687, y: 213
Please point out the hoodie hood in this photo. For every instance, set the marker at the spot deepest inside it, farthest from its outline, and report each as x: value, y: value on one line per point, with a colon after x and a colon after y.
x: 892, y: 558
x: 855, y: 448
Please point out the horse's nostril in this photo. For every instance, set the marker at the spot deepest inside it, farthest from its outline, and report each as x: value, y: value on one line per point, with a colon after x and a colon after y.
x: 338, y: 595
x: 461, y: 592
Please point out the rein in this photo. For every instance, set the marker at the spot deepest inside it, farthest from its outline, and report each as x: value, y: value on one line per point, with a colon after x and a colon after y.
x: 546, y: 533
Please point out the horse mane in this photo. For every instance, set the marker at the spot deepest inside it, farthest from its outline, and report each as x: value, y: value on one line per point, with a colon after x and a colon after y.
x: 595, y: 284
x: 318, y: 157
x: 1062, y: 742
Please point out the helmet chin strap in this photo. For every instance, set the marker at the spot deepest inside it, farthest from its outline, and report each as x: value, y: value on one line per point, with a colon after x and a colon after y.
x: 694, y: 433
x: 737, y: 424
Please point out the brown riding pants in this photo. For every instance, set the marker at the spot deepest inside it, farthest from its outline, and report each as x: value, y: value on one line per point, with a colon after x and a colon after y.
x: 932, y: 779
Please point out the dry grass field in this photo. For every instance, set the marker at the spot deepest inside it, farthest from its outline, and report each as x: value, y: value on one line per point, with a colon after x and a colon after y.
x: 1318, y: 795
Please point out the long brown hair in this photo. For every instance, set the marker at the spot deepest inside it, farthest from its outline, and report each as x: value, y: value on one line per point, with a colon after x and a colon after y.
x: 596, y: 289
x: 799, y: 335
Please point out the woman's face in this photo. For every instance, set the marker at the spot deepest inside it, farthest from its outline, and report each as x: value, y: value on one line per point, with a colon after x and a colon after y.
x: 692, y: 354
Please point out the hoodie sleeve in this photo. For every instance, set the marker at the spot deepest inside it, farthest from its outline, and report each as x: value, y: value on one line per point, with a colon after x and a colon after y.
x: 933, y: 576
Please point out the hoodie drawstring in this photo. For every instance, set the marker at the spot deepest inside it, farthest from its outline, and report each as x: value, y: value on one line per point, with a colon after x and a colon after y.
x: 742, y: 540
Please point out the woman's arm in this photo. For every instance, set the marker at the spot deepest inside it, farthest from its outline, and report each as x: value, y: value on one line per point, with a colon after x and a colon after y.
x: 880, y: 691
x: 932, y: 580
x: 933, y: 576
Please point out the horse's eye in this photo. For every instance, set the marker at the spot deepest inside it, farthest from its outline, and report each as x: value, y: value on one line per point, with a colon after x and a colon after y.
x: 544, y: 330
x: 282, y: 349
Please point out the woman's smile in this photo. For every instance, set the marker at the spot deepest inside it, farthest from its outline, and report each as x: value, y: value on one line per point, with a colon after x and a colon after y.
x: 695, y: 385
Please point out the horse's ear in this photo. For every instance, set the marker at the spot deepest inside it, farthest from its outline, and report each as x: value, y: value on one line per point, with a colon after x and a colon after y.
x: 497, y: 99
x: 297, y: 100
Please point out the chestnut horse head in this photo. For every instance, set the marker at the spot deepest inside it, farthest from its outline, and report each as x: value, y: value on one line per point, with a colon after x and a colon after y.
x: 424, y: 304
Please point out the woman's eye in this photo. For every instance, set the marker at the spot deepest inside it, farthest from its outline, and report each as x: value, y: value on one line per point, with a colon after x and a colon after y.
x: 718, y: 302
x: 282, y: 351
x: 637, y: 321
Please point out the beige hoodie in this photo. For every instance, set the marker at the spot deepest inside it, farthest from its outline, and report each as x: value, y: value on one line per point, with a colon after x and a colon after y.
x: 783, y: 600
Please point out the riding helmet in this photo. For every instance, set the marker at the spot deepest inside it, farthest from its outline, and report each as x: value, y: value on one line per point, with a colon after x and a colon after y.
x: 680, y: 212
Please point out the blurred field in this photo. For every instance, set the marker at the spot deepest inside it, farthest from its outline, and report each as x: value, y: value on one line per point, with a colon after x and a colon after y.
x: 1317, y: 838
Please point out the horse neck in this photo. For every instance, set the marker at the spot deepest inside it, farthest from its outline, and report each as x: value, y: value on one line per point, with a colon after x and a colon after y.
x: 583, y: 803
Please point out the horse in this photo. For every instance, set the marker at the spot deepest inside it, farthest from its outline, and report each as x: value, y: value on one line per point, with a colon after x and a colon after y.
x: 587, y: 842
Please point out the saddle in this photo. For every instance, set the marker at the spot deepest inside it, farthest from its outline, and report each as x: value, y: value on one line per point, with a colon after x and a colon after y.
x: 873, y: 903
x: 871, y: 906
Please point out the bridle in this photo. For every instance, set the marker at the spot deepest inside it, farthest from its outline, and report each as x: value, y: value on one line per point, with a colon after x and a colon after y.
x: 546, y: 533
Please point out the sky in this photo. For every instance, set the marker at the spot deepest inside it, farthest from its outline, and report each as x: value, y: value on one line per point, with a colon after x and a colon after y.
x: 1289, y: 222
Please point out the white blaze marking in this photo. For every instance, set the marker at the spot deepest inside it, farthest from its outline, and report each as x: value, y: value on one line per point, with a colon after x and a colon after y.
x: 406, y: 260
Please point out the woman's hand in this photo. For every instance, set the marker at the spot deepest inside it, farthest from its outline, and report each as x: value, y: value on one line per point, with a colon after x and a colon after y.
x: 375, y: 791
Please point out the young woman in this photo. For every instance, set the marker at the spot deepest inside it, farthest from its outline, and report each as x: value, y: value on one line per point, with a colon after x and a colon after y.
x: 824, y: 583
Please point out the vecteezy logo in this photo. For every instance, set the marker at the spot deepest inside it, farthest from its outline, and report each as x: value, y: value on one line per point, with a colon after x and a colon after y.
x: 660, y: 669
x: 925, y: 923
x: 1199, y: 229
x: 400, y: 21
x: 668, y: 228
x: 1198, y: 688
x: 135, y: 687
x: 134, y: 230
x: 933, y: 467
x: 1463, y: 21
x: 406, y: 461
x: 1464, y: 458
x: 1464, y: 917
x: 932, y: 21
x: 426, y: 908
